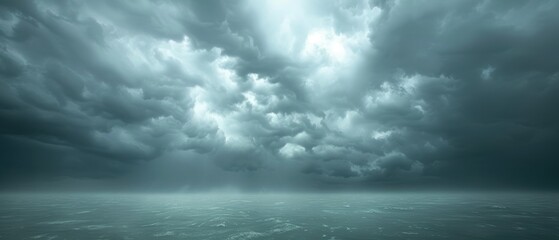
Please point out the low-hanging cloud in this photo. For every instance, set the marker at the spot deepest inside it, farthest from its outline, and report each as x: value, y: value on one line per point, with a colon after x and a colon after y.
x: 280, y: 93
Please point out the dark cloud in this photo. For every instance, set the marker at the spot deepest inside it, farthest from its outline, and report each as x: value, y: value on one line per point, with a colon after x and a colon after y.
x: 193, y: 95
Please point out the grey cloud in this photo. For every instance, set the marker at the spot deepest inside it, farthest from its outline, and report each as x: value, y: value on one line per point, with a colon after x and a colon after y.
x: 488, y: 125
x: 256, y: 94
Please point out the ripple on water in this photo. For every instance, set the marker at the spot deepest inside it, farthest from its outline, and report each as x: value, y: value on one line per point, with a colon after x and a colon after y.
x: 331, y: 211
x: 284, y: 227
x: 164, y: 234
x: 372, y: 211
x: 58, y: 222
x: 96, y: 227
x: 273, y: 220
x: 153, y: 224
x: 399, y: 208
x: 45, y: 236
x: 82, y: 212
x: 245, y: 235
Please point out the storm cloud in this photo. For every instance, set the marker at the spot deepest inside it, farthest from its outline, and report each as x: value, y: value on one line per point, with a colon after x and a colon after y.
x: 175, y: 95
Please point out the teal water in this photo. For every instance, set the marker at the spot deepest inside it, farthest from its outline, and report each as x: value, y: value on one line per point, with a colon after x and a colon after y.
x: 280, y: 216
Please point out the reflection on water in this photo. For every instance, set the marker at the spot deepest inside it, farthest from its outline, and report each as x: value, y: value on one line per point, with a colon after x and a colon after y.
x: 280, y: 216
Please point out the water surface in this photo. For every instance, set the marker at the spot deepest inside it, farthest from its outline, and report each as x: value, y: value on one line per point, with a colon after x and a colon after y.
x: 280, y: 216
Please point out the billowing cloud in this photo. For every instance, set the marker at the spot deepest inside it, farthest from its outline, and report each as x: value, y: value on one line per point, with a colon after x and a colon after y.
x: 279, y: 94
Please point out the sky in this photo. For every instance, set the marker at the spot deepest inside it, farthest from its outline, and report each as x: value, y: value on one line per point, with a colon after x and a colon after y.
x: 287, y: 95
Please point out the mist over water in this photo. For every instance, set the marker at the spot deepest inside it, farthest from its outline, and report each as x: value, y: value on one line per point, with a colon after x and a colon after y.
x: 280, y: 216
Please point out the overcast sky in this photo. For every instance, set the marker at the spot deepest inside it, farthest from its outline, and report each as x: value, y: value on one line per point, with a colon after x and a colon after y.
x: 278, y: 95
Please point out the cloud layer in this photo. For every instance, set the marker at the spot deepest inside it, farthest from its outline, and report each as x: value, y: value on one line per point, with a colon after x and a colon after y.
x: 279, y: 94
